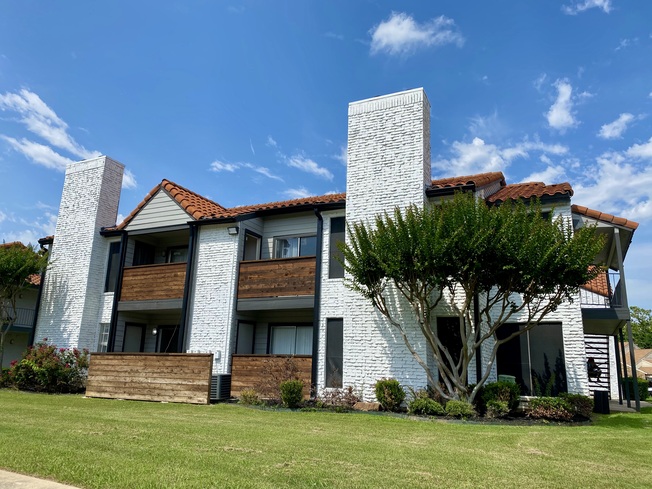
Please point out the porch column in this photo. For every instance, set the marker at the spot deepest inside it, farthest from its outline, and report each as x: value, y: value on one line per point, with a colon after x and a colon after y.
x: 110, y: 347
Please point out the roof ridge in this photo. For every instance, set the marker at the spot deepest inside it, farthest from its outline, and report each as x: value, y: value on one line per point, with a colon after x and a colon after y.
x: 604, y: 217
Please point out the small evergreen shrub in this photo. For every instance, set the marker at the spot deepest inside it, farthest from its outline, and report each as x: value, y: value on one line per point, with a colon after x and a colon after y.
x: 46, y: 368
x: 497, y: 409
x: 291, y: 393
x: 424, y: 406
x: 249, y: 397
x: 642, y: 388
x: 390, y: 394
x: 553, y: 408
x: 4, y: 378
x: 582, y: 406
x: 508, y: 392
x: 460, y: 409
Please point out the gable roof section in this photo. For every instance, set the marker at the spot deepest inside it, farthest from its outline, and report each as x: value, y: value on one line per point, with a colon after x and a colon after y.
x: 604, y: 217
x: 196, y: 206
x: 530, y: 190
x: 281, y: 205
x: 479, y: 180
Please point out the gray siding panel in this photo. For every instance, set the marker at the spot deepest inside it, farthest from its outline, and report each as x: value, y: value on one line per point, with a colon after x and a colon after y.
x: 304, y: 224
x: 160, y: 211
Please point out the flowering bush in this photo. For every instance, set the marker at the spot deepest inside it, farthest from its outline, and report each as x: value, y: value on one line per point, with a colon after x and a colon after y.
x: 46, y: 368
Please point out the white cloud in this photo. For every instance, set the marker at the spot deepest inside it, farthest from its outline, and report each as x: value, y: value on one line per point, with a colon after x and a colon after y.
x: 267, y: 172
x: 297, y: 193
x: 34, y: 230
x: 39, y: 153
x: 129, y: 180
x: 271, y: 142
x: 580, y: 6
x: 479, y: 157
x: 333, y: 35
x: 43, y: 121
x: 538, y: 83
x: 641, y: 151
x: 552, y: 174
x: 3, y: 216
x: 400, y: 34
x: 218, y: 166
x: 309, y: 166
x: 251, y: 146
x: 560, y: 116
x: 342, y: 157
x: 615, y: 129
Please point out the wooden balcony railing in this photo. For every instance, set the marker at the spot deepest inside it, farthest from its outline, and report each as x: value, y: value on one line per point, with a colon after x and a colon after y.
x: 153, y: 282
x: 258, y: 371
x: 277, y: 278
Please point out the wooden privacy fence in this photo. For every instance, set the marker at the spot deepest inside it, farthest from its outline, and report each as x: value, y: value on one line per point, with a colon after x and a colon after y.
x: 277, y: 277
x: 170, y: 377
x: 250, y: 371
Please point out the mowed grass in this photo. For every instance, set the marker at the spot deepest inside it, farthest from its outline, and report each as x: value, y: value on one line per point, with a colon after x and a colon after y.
x: 121, y: 444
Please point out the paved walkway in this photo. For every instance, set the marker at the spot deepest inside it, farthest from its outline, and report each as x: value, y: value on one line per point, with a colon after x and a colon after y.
x: 614, y: 407
x: 11, y: 480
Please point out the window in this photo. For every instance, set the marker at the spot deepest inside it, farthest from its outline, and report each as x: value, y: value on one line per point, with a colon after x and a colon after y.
x: 113, y: 267
x: 291, y: 340
x: 168, y: 339
x: 334, y: 352
x: 535, y: 359
x: 335, y: 268
x: 251, y: 246
x: 177, y: 254
x: 295, y: 246
x: 143, y: 254
x: 103, y: 337
x: 448, y: 332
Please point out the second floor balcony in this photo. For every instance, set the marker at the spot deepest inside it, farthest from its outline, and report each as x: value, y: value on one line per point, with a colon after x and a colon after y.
x: 153, y: 282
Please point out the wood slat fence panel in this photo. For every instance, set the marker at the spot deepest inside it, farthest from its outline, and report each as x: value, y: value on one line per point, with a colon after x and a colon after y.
x: 247, y: 371
x: 153, y: 282
x: 277, y: 278
x: 169, y: 377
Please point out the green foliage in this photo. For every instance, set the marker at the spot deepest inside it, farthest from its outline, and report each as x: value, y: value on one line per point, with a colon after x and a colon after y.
x: 249, y: 397
x: 641, y: 326
x: 459, y: 409
x: 582, y: 405
x: 291, y: 393
x: 46, y: 368
x: 553, y: 408
x: 508, y: 392
x: 390, y: 394
x: 642, y: 386
x: 4, y: 378
x: 497, y: 409
x: 424, y: 406
x: 466, y: 248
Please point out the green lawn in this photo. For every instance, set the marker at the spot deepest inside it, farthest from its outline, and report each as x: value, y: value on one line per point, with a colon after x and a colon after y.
x: 123, y: 444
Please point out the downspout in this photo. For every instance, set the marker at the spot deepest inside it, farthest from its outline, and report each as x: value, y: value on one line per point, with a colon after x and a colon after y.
x: 110, y: 346
x: 478, y: 353
x: 316, y: 312
x: 181, y: 345
x: 32, y: 333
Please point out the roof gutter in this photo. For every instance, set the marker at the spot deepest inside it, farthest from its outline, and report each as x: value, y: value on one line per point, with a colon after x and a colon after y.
x: 445, y: 191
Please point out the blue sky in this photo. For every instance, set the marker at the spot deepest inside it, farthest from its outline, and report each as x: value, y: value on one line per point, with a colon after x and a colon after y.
x: 246, y: 101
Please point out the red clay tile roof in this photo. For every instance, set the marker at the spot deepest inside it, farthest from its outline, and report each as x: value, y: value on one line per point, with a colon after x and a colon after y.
x: 479, y: 180
x: 285, y: 204
x: 529, y: 190
x: 604, y: 217
x: 34, y: 279
x: 598, y: 285
x: 195, y: 205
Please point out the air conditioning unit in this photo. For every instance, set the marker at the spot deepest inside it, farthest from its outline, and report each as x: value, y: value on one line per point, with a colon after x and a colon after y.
x: 220, y: 387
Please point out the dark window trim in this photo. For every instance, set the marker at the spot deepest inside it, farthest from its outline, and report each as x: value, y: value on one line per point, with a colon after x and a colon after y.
x: 287, y: 236
x: 158, y: 335
x: 109, y: 263
x: 333, y: 244
x: 271, y: 325
x: 143, y: 329
x: 170, y: 249
x: 237, y: 333
x: 260, y: 242
x: 341, y: 319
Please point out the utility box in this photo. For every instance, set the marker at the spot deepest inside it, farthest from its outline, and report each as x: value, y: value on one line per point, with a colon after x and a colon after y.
x: 601, y: 402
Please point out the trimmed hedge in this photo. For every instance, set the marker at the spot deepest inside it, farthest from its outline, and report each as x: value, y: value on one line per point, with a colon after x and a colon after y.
x: 642, y: 388
x: 390, y: 394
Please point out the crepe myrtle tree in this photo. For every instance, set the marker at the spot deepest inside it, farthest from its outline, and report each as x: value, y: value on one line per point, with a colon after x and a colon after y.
x: 519, y: 264
x: 17, y: 264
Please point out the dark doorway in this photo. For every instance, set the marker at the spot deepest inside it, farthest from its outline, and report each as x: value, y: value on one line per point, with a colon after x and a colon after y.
x: 134, y: 340
x: 168, y: 339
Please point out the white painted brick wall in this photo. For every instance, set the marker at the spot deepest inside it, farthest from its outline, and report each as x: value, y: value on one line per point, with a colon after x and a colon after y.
x: 211, y: 325
x: 74, y: 283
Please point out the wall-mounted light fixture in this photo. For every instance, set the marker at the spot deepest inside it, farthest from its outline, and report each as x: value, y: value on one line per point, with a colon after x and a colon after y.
x: 154, y: 331
x: 233, y: 230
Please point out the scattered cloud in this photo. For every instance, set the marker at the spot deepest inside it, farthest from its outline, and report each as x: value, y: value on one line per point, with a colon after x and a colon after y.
x: 478, y: 156
x: 641, y: 151
x: 540, y: 81
x: 29, y: 232
x: 333, y: 35
x: 579, y: 6
x: 297, y: 193
x: 271, y: 142
x: 342, y: 156
x: 3, y: 216
x: 624, y: 43
x: 552, y: 174
x: 560, y: 116
x: 267, y: 172
x: 218, y: 166
x: 616, y: 129
x: 39, y: 153
x: 251, y: 146
x: 400, y: 34
x: 487, y: 127
x: 43, y: 121
x: 129, y: 180
x: 310, y: 166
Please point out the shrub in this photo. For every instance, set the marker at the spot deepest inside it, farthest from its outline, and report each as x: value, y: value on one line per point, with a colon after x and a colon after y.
x: 424, y: 406
x: 291, y: 393
x: 390, y: 394
x: 497, y: 409
x: 582, y: 406
x: 249, y: 397
x: 46, y: 368
x: 642, y: 388
x: 507, y: 392
x: 460, y: 409
x: 276, y: 371
x: 344, y: 398
x: 554, y: 408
